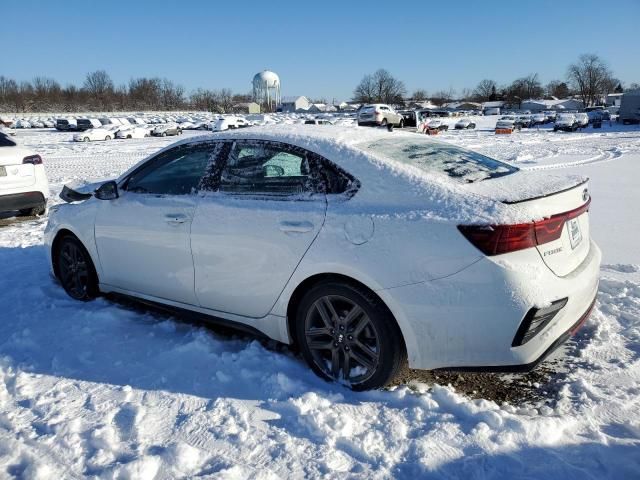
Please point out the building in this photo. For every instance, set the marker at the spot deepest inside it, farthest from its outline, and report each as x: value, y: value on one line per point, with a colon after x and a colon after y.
x: 614, y: 99
x: 294, y: 104
x: 542, y: 105
x: 246, y: 107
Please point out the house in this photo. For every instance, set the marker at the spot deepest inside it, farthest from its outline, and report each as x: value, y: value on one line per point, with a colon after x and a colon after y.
x: 294, y: 104
x: 493, y: 108
x: 246, y: 107
x: 614, y: 99
x: 463, y: 106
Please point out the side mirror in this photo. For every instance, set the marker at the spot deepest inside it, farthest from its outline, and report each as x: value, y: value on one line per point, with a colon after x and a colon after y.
x: 107, y: 191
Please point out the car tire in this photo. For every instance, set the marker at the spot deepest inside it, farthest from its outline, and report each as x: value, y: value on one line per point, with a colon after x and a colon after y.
x: 383, y: 123
x: 129, y: 136
x: 342, y: 326
x: 401, y: 125
x: 164, y: 134
x: 86, y: 139
x: 107, y: 138
x: 35, y: 211
x: 146, y: 135
x: 75, y: 270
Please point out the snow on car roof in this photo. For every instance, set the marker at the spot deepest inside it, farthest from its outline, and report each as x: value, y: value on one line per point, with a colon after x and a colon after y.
x: 388, y: 185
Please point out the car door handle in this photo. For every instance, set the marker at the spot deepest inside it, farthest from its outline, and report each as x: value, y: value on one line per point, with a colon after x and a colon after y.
x: 175, y: 218
x: 296, y: 227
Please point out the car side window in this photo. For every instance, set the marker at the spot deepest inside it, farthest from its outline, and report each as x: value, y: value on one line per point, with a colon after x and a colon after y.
x: 178, y: 171
x: 266, y: 168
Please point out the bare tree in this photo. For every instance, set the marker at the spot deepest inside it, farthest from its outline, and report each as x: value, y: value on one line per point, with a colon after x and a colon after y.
x: 557, y: 89
x: 381, y: 87
x: 443, y: 96
x: 99, y: 86
x: 419, y: 95
x: 590, y: 77
x: 484, y: 89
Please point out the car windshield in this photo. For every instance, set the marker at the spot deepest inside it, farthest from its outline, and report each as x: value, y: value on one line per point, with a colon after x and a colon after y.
x: 5, y: 141
x: 463, y: 165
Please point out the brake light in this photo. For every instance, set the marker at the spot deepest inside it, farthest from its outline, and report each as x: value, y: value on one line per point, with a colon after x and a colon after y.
x: 33, y: 159
x: 498, y: 239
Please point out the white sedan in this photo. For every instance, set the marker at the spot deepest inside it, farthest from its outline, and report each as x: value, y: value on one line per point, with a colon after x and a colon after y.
x: 106, y: 132
x: 133, y: 132
x: 365, y: 248
x: 23, y: 181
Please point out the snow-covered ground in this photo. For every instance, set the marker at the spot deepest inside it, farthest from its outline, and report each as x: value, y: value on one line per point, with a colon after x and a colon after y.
x: 114, y: 391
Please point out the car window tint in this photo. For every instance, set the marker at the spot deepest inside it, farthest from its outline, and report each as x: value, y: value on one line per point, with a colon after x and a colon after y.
x: 265, y: 169
x: 175, y: 173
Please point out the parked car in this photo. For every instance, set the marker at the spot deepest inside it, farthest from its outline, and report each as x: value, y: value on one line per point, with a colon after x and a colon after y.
x: 87, y: 123
x: 582, y: 119
x: 566, y: 122
x: 49, y: 123
x: 66, y: 124
x: 524, y: 121
x: 431, y: 125
x: 323, y: 274
x: 133, y: 132
x: 550, y: 116
x: 23, y: 181
x: 226, y: 123
x: 379, y: 114
x: 410, y: 118
x: 317, y: 121
x: 106, y: 132
x: 464, y: 124
x: 629, y: 112
x: 538, y: 119
x: 166, y: 129
x: 507, y: 125
x: 22, y: 124
x: 37, y: 124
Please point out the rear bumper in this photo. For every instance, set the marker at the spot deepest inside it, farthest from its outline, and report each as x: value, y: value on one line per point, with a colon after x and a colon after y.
x: 20, y: 201
x: 468, y: 320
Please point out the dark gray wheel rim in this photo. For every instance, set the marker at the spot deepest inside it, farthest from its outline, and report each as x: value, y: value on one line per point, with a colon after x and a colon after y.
x: 74, y: 272
x: 342, y: 339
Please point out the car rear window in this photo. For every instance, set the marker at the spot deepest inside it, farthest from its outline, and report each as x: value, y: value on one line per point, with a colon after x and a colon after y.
x: 5, y: 141
x: 463, y: 165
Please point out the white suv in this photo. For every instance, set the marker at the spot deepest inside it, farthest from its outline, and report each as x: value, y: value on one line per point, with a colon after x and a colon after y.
x: 379, y: 114
x: 23, y: 182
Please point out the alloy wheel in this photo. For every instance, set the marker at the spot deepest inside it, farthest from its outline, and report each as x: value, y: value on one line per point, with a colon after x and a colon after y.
x: 342, y: 339
x: 74, y: 271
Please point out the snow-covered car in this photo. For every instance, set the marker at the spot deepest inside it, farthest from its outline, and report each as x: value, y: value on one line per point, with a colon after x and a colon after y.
x: 464, y: 123
x: 379, y: 114
x: 37, y: 124
x: 166, y: 129
x: 66, y: 124
x: 227, y: 123
x: 22, y: 124
x: 317, y: 121
x: 23, y: 181
x: 133, y: 132
x: 524, y: 121
x: 566, y: 122
x: 186, y: 125
x: 582, y: 119
x: 507, y: 125
x: 550, y: 116
x: 106, y: 132
x: 49, y: 123
x: 538, y: 119
x: 428, y: 126
x: 499, y: 271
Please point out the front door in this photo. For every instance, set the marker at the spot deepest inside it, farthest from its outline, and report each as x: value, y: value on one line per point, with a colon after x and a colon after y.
x: 143, y: 236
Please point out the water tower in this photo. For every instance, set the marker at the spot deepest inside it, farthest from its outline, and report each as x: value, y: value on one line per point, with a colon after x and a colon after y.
x: 266, y: 89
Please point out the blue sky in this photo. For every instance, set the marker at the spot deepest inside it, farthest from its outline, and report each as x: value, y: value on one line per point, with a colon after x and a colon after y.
x: 319, y: 48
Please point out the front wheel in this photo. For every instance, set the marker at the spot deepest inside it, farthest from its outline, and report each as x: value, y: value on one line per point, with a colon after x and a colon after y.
x: 347, y: 335
x: 164, y: 134
x: 75, y: 269
x: 401, y: 125
x: 85, y: 139
x: 107, y: 138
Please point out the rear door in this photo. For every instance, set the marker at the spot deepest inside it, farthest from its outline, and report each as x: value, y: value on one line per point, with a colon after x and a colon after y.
x: 248, y: 238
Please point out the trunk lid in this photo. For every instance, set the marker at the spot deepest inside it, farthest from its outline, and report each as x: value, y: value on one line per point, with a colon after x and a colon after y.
x: 13, y: 173
x: 550, y: 196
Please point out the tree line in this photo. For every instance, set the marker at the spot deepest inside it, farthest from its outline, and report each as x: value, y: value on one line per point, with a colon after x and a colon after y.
x: 588, y: 78
x: 99, y: 93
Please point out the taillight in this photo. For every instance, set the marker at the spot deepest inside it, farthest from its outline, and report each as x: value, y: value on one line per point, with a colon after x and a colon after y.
x: 498, y: 239
x: 33, y: 159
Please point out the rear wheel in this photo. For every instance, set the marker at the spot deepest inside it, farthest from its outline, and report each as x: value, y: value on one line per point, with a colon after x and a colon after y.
x: 85, y: 139
x: 75, y: 269
x: 347, y: 335
x: 107, y: 138
x: 34, y: 212
x: 164, y: 134
x: 384, y: 122
x: 129, y: 136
